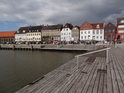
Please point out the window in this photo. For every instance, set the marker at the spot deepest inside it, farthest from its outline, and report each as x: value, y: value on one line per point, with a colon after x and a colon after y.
x: 88, y: 32
x: 100, y: 31
x: 121, y: 31
x: 122, y: 36
x: 82, y: 37
x: 113, y: 30
x: 100, y: 37
x: 85, y: 37
x: 93, y: 31
x: 93, y: 37
x: 97, y: 26
x: 23, y: 31
x: 97, y: 31
x: 121, y: 26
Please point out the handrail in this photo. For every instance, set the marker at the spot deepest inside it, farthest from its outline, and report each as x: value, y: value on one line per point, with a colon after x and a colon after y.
x: 77, y: 56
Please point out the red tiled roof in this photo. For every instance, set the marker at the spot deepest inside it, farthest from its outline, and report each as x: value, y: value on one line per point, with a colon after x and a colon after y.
x: 101, y: 26
x: 7, y: 34
x: 88, y: 26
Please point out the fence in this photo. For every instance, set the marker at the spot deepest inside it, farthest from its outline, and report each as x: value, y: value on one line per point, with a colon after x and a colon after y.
x: 105, y: 49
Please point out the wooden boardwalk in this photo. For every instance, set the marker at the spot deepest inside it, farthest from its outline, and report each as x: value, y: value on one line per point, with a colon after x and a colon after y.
x: 93, y: 76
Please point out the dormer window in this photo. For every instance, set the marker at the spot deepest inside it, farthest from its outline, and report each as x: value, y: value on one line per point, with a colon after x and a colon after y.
x: 23, y: 31
x: 17, y: 31
x: 97, y: 26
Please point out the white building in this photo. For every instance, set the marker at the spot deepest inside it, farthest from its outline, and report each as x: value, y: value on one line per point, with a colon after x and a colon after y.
x: 92, y: 31
x: 66, y: 33
x: 20, y: 36
x: 28, y: 34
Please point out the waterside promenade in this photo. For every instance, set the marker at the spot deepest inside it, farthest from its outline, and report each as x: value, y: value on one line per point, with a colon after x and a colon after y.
x: 94, y: 75
x: 68, y: 47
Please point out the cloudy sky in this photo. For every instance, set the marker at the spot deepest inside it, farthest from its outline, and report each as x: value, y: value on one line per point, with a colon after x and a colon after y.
x: 16, y: 13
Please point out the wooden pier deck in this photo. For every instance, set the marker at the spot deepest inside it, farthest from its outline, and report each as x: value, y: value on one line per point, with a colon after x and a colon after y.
x: 93, y: 76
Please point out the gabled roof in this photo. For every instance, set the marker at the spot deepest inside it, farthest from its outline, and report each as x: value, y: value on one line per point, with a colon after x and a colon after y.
x: 110, y: 26
x: 86, y: 26
x: 98, y: 26
x: 7, y: 34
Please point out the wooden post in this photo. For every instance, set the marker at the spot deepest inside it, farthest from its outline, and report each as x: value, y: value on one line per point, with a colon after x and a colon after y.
x: 77, y: 58
x: 107, y: 51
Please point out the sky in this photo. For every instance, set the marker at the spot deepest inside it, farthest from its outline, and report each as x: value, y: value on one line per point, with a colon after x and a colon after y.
x: 18, y: 13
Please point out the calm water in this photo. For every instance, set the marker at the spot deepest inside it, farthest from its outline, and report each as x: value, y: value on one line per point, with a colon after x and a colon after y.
x: 18, y: 68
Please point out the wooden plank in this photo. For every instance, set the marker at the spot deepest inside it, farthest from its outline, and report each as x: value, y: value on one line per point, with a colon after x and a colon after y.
x: 118, y: 73
x: 94, y: 78
x: 114, y: 79
x: 83, y: 81
x: 109, y: 80
x: 65, y: 87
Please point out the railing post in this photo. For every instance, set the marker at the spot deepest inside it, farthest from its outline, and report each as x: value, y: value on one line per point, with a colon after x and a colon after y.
x: 77, y: 62
x: 107, y: 50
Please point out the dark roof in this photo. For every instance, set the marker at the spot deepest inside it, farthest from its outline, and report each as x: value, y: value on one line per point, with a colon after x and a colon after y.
x: 68, y: 25
x: 52, y: 27
x: 29, y: 28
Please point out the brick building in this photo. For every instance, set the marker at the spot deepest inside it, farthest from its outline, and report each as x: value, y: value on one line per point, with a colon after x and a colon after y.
x: 120, y: 29
x: 110, y: 31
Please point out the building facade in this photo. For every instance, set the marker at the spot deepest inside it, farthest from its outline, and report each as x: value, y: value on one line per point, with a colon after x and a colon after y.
x: 38, y: 33
x: 28, y: 34
x: 66, y: 33
x: 7, y: 37
x: 51, y: 32
x: 92, y: 31
x: 120, y: 29
x: 76, y: 33
x: 110, y: 31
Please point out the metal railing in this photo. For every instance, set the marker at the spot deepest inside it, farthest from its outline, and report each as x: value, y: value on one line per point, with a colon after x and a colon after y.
x: 105, y: 49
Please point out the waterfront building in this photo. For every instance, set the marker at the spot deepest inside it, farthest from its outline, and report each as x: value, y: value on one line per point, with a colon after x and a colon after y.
x: 7, y: 37
x: 110, y: 32
x: 34, y: 34
x: 28, y: 34
x: 76, y: 33
x: 51, y: 32
x: 66, y: 33
x: 120, y: 29
x: 20, y: 35
x: 93, y: 32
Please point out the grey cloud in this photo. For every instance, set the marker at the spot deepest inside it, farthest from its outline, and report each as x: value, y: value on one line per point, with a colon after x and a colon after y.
x: 60, y: 11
